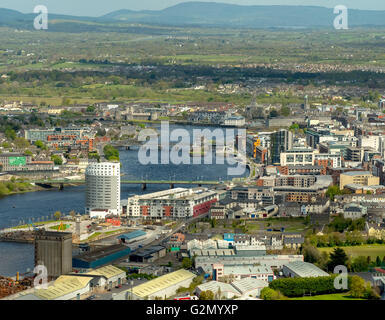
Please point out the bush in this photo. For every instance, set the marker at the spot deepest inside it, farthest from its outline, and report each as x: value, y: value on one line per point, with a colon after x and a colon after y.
x: 358, y: 287
x: 297, y: 287
x: 270, y: 294
x: 111, y: 153
x: 206, y: 295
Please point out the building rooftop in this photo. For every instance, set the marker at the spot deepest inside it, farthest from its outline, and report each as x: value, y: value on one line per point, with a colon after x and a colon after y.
x: 62, y: 286
x: 356, y: 173
x: 149, y: 251
x: 245, y: 270
x: 53, y: 234
x: 100, y: 253
x: 247, y: 284
x: 214, y: 287
x: 305, y: 269
x: 163, y: 282
x: 132, y: 235
x: 107, y: 271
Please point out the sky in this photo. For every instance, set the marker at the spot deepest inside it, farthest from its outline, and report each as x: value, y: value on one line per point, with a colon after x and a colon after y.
x: 101, y: 7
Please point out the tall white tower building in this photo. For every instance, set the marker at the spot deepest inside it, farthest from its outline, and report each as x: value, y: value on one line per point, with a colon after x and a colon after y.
x: 103, y: 189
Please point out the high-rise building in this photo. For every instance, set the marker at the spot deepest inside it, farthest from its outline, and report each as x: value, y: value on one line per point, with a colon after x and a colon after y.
x: 54, y: 251
x: 103, y: 189
x: 281, y: 141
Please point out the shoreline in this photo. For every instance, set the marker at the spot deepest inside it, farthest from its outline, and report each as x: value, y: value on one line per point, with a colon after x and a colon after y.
x: 36, y: 189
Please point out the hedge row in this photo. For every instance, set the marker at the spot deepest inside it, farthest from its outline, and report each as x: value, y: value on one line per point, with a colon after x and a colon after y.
x: 297, y: 287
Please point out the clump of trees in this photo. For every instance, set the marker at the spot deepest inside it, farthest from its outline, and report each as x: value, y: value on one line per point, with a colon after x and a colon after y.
x: 57, y: 160
x: 206, y: 295
x: 361, y: 289
x: 196, y: 282
x: 340, y: 224
x: 333, y: 191
x: 339, y: 257
x: 111, y: 153
x: 297, y: 287
x: 271, y: 294
x: 187, y: 263
x: 40, y: 144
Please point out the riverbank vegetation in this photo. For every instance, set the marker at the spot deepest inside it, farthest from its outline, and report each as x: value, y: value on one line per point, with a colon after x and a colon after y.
x: 111, y: 153
x: 13, y: 187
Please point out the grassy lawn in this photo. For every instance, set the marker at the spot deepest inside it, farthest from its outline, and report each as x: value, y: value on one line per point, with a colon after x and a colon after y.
x: 113, y: 231
x: 372, y: 250
x: 36, y: 224
x: 290, y: 225
x: 64, y: 227
x: 334, y: 296
x: 96, y: 234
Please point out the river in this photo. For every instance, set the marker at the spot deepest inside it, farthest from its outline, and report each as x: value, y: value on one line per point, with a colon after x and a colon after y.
x: 39, y: 206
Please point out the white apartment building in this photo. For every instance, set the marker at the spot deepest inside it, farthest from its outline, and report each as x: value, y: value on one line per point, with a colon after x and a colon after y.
x: 373, y: 142
x: 298, y: 157
x: 103, y: 189
x: 236, y: 121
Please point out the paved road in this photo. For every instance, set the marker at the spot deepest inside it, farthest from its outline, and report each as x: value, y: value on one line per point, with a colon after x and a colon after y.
x: 127, y: 286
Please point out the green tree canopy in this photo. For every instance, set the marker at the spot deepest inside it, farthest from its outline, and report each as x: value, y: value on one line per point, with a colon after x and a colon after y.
x: 337, y: 258
x: 206, y: 295
x: 186, y: 263
x: 358, y: 287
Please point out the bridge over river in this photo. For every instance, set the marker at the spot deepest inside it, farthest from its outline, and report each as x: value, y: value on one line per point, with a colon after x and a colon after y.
x: 62, y: 182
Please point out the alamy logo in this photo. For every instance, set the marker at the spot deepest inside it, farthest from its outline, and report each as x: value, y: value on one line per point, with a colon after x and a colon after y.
x: 183, y: 152
x: 41, y: 21
x: 341, y: 281
x: 341, y: 21
x: 41, y: 279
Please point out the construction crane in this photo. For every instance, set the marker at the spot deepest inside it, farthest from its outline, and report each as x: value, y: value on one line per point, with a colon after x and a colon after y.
x: 61, y: 227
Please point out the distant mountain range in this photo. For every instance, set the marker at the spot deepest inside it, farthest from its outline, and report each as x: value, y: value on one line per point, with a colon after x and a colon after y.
x: 217, y: 14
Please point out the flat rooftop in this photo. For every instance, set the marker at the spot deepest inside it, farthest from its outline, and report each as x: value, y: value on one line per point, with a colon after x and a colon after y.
x: 305, y: 269
x: 100, y: 253
x: 357, y: 173
x: 53, y: 234
x: 168, y: 280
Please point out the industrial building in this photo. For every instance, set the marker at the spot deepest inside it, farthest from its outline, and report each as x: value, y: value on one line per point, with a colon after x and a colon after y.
x: 106, y: 277
x: 54, y: 251
x: 272, y: 261
x: 103, y: 189
x: 239, y: 272
x: 149, y: 255
x: 302, y: 269
x: 220, y: 289
x: 76, y: 286
x: 250, y: 286
x: 100, y: 257
x: 64, y: 288
x: 162, y: 287
x: 128, y: 237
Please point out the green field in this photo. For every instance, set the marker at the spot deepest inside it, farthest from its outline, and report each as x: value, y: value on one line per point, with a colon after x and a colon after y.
x: 372, y: 250
x: 113, y: 231
x: 37, y: 224
x: 334, y: 296
x: 65, y: 227
x: 290, y: 225
x: 96, y: 234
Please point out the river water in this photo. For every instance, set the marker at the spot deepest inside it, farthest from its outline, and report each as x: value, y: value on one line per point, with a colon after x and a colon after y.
x: 39, y: 206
